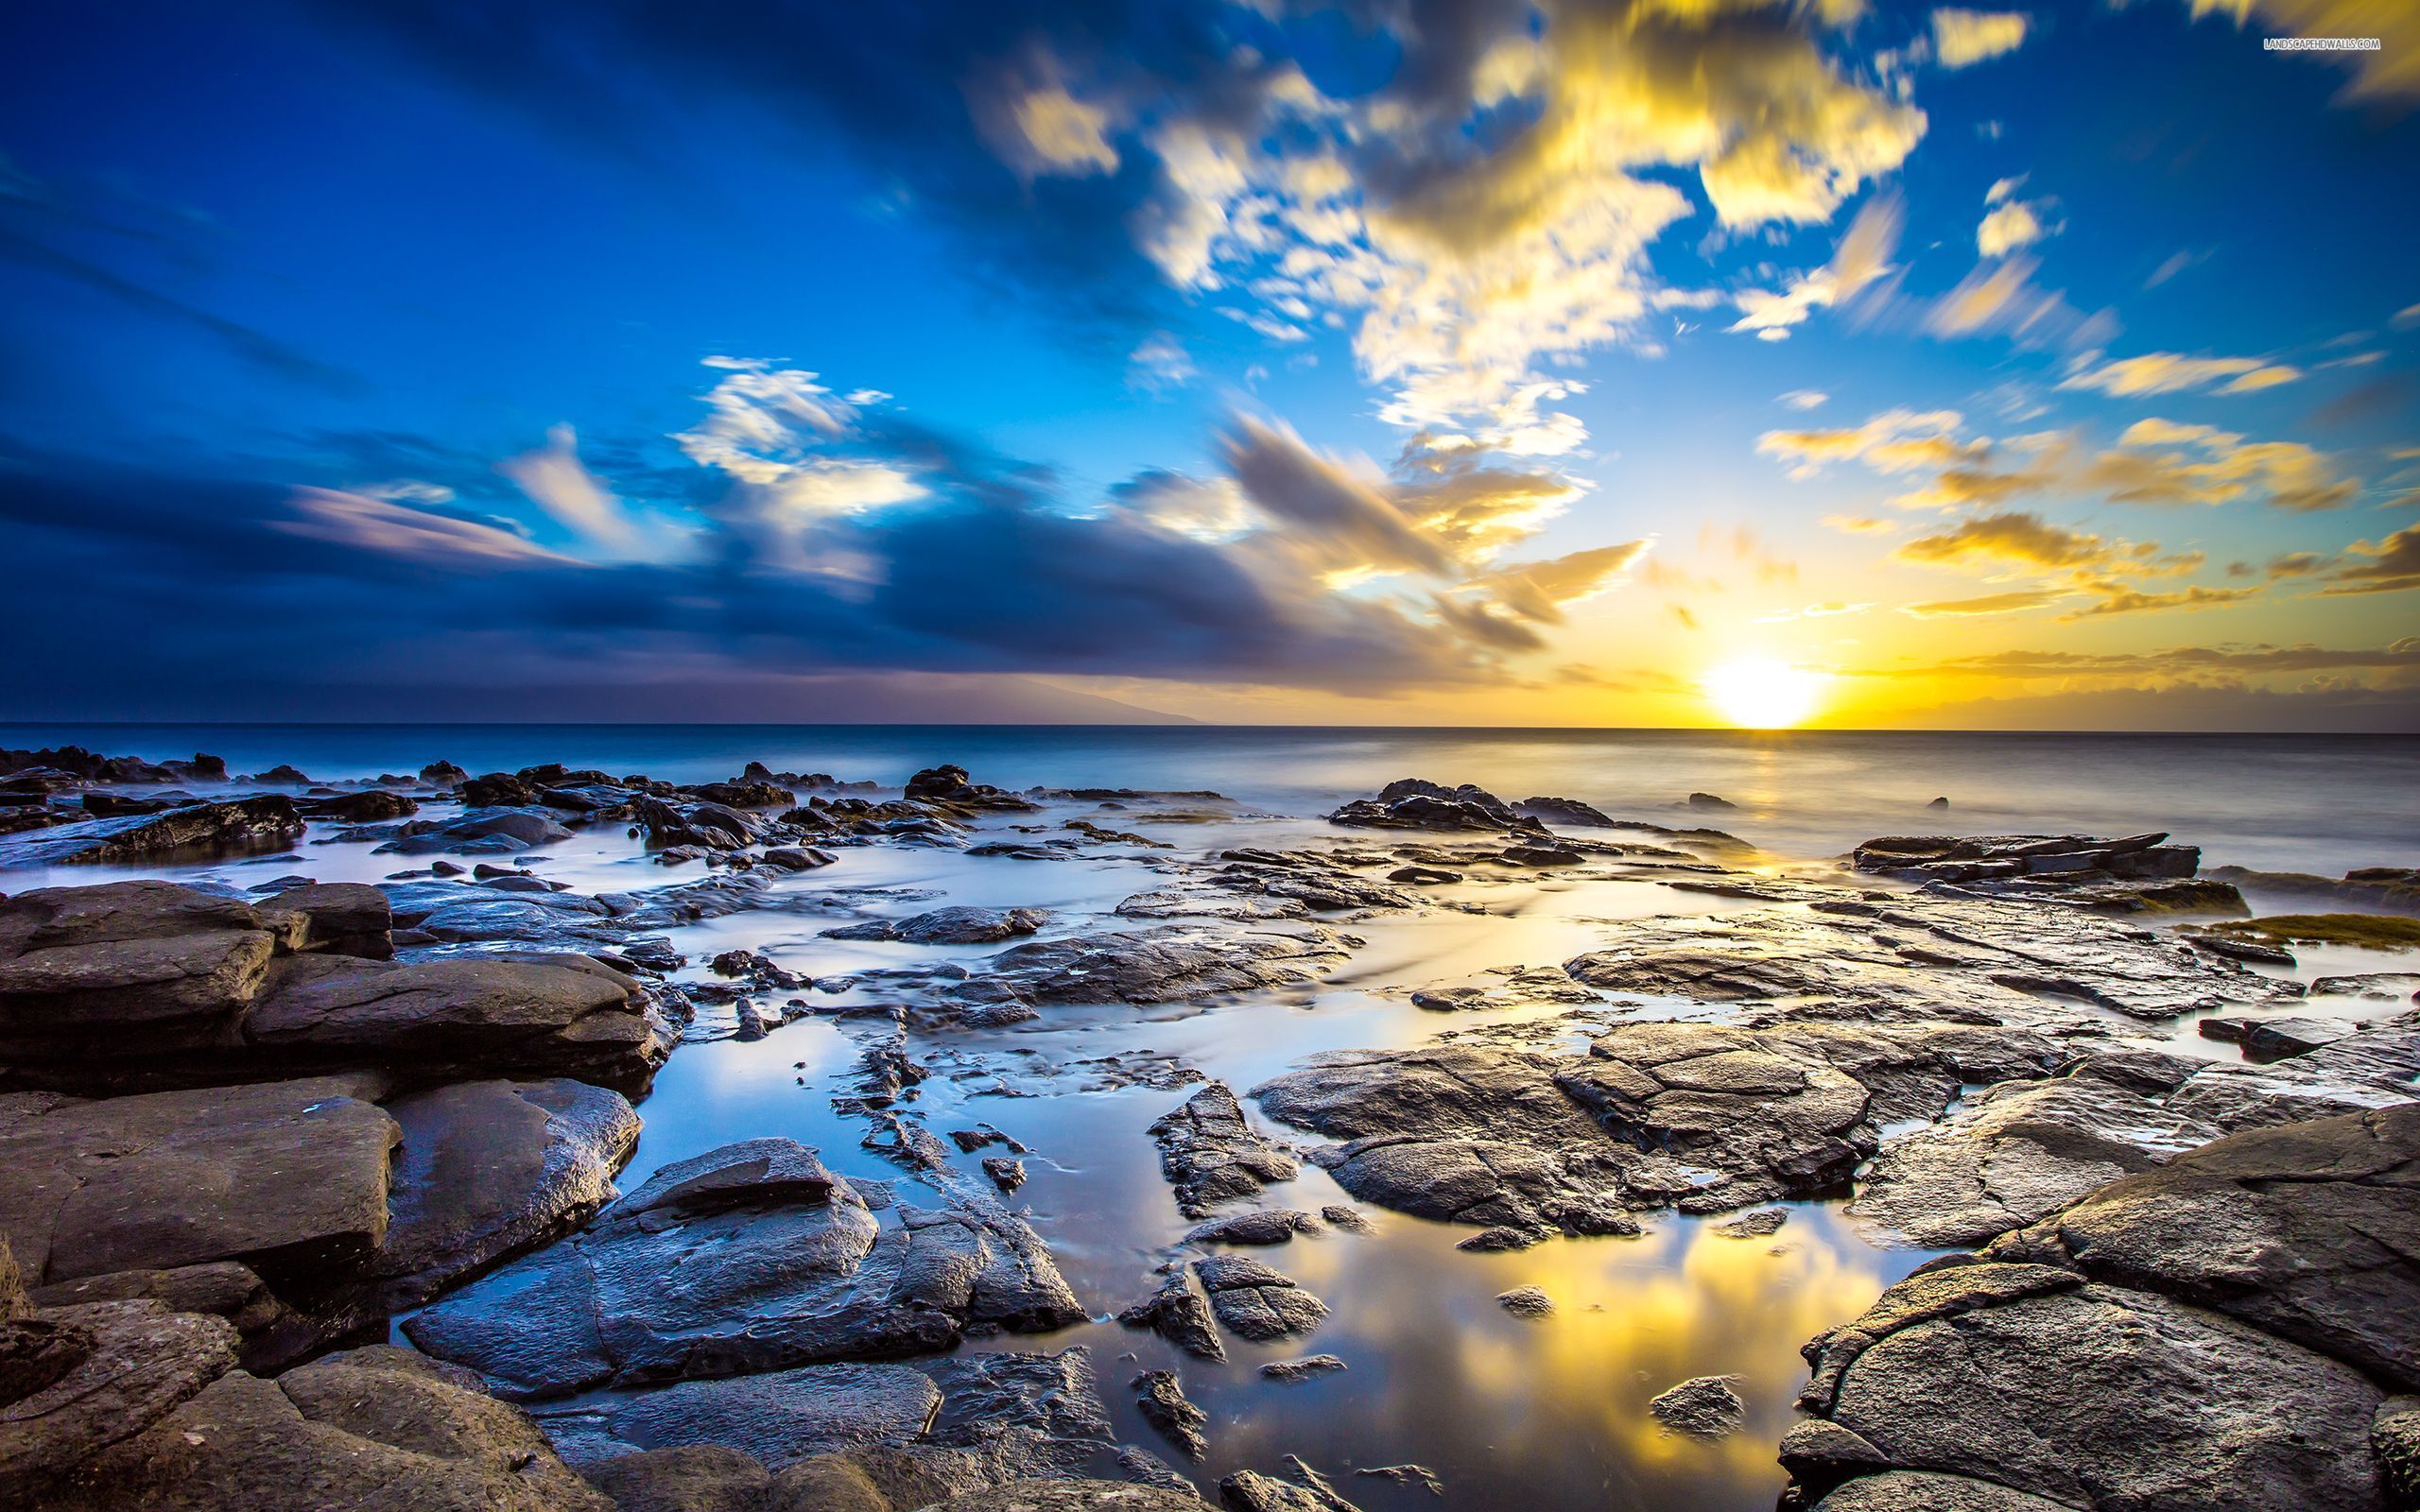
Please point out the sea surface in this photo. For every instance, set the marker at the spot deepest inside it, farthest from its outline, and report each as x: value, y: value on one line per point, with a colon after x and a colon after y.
x: 1549, y: 1414
x: 2281, y: 802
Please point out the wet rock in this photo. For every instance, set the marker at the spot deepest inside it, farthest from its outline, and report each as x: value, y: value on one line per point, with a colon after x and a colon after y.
x: 1212, y: 1154
x: 372, y: 1427
x: 1163, y: 1401
x: 1702, y: 1407
x: 798, y: 858
x: 1179, y: 1312
x: 1007, y: 1173
x: 76, y: 1380
x: 490, y: 1169
x: 2276, y: 1038
x: 545, y: 1015
x: 1424, y: 876
x: 195, y: 830
x: 497, y: 790
x: 289, y: 1177
x: 270, y: 1335
x: 1413, y: 804
x: 948, y: 787
x: 2095, y: 1395
x: 369, y: 806
x: 1708, y: 800
x: 1567, y: 811
x: 478, y: 830
x: 1923, y: 1491
x: 1269, y: 1226
x: 748, y: 1259
x: 1255, y: 1302
x: 1251, y: 1491
x: 1756, y: 1225
x: 1503, y: 1239
x: 2039, y: 865
x: 2309, y: 1231
x: 1074, y: 1496
x: 1525, y: 1302
x: 1420, y: 1475
x: 1308, y: 1367
x: 1173, y: 963
x: 950, y: 926
x: 2378, y: 987
x: 1820, y: 1454
x: 142, y: 967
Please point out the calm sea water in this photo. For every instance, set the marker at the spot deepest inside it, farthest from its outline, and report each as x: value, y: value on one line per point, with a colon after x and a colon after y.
x: 2301, y: 802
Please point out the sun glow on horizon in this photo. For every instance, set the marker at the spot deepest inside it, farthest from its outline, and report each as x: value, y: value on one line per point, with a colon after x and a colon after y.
x: 1759, y: 692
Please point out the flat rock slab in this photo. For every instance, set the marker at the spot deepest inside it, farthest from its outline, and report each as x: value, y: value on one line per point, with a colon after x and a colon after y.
x: 2095, y: 1395
x: 747, y: 1260
x: 191, y: 831
x: 2309, y: 1231
x: 290, y: 1178
x: 1211, y: 1153
x: 132, y: 1362
x: 83, y: 970
x: 1174, y: 963
x: 372, y: 1428
x: 1255, y: 1302
x: 489, y: 1169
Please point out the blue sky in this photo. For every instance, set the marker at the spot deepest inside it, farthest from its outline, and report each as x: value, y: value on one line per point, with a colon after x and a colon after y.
x: 1437, y: 363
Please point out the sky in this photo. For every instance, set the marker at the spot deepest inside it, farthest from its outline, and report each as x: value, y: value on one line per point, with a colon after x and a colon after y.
x: 1476, y: 362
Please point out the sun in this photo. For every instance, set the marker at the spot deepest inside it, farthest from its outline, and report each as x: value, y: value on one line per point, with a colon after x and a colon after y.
x: 1759, y: 692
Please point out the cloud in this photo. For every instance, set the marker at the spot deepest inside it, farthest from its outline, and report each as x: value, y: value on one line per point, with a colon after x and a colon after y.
x: 1999, y: 298
x: 2006, y: 226
x: 2010, y: 603
x: 1804, y: 399
x: 554, y: 478
x: 1159, y: 361
x: 1855, y: 524
x: 2159, y: 461
x: 1961, y: 38
x: 2118, y: 598
x: 1895, y: 440
x: 2388, y: 566
x: 2162, y: 372
x: 381, y: 526
x: 1863, y: 256
x: 2014, y: 538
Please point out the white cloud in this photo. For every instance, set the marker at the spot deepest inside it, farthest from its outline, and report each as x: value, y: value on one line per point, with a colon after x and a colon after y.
x: 1961, y: 37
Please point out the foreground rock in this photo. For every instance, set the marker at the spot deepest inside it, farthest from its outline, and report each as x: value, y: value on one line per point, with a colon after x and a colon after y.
x: 373, y: 1427
x: 1174, y: 963
x: 2135, y: 873
x: 2212, y: 1332
x: 752, y: 1257
x: 1413, y: 804
x: 1212, y: 1154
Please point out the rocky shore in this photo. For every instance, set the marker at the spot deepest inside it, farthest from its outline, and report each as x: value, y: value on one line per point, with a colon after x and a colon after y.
x: 311, y: 1190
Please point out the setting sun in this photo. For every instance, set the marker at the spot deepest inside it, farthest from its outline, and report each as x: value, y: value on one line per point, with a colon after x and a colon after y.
x: 1759, y: 692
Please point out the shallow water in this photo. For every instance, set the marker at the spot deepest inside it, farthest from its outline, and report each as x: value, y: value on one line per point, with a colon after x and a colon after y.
x: 1549, y: 1414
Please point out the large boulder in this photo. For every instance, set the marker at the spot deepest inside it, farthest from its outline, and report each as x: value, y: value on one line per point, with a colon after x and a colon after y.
x: 289, y: 1177
x: 373, y: 1428
x: 89, y: 972
x: 1413, y: 804
x: 749, y: 1259
x: 524, y: 1013
x: 490, y: 1169
x: 193, y: 831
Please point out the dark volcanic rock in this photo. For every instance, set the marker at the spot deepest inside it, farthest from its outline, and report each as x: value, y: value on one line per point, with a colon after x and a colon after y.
x: 749, y: 1259
x: 1212, y: 1154
x: 372, y: 805
x: 489, y: 1169
x: 1413, y: 804
x: 1254, y: 1302
x: 1702, y: 1407
x: 2309, y: 1231
x: 374, y: 1427
x: 1163, y: 1401
x: 947, y: 787
x: 1179, y: 1312
x: 290, y: 1178
x: 962, y: 925
x: 268, y: 822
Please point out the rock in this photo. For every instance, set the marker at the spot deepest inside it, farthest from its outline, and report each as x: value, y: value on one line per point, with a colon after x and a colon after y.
x: 1267, y: 1226
x: 490, y: 1169
x: 1820, y: 1454
x: 2310, y: 1231
x: 146, y: 967
x: 1502, y: 1238
x: 1413, y: 804
x: 371, y: 1427
x: 2033, y: 865
x: 1165, y: 1407
x: 194, y: 832
x: 1525, y: 1302
x: 497, y: 790
x: 1006, y: 1172
x: 2276, y: 1038
x: 2092, y: 1395
x: 1702, y: 1407
x: 1424, y: 876
x: 778, y: 1263
x: 1074, y: 1496
x: 1707, y: 800
x: 1213, y: 1155
x: 369, y: 806
x: 950, y: 926
x: 1255, y: 1302
x: 2394, y: 1441
x: 76, y: 1380
x: 1308, y: 1367
x: 339, y: 918
x: 948, y: 788
x: 1171, y: 964
x: 1251, y: 1491
x: 1566, y: 810
x: 1923, y: 1491
x: 1179, y: 1312
x: 798, y: 858
x: 289, y: 1177
x: 270, y: 1335
x: 541, y: 1015
x: 1756, y: 1225
x: 778, y: 1417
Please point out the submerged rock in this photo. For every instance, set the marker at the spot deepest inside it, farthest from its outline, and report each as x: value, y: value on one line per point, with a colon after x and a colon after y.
x: 1702, y: 1407
x: 1163, y: 1401
x: 1255, y: 1302
x: 1179, y: 1312
x: 949, y: 926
